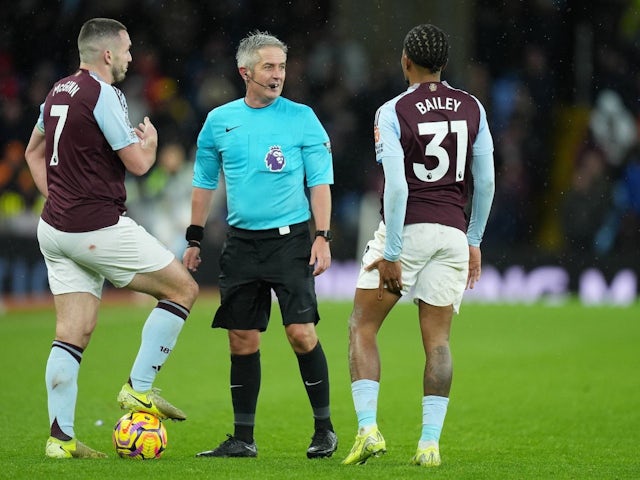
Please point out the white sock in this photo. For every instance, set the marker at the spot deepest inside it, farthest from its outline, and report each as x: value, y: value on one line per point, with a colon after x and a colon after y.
x: 61, y: 377
x: 159, y: 336
x: 434, y: 410
x: 365, y: 400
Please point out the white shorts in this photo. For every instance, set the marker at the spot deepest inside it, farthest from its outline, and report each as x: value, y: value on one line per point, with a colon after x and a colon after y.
x: 80, y: 262
x: 434, y: 259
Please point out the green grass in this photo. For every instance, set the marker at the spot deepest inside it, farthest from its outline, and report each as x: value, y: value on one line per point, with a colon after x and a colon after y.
x: 538, y: 392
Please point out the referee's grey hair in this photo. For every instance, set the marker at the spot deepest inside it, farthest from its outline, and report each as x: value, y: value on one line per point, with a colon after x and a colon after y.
x: 247, y: 54
x: 427, y: 46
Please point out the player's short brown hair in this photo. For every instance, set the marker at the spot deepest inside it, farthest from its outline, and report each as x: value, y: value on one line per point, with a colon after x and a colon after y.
x: 94, y: 33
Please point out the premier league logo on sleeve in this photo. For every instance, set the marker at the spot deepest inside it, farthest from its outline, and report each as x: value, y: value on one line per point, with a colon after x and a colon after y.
x: 275, y: 159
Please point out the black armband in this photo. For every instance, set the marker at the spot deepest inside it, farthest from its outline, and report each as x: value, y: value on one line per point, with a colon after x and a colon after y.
x: 195, y: 234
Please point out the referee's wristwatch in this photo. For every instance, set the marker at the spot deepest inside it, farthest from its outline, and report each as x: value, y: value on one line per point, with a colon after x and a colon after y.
x: 326, y: 234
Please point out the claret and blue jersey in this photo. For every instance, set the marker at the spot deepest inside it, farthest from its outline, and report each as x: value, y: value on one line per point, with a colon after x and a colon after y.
x: 86, y: 122
x: 433, y: 140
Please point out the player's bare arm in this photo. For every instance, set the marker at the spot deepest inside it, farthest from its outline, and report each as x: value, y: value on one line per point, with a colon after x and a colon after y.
x: 34, y: 155
x: 139, y: 157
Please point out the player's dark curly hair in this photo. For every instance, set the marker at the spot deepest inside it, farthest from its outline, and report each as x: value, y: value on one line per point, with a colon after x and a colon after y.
x: 427, y: 46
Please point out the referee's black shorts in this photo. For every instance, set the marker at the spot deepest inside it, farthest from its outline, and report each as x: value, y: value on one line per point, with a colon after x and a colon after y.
x: 255, y: 262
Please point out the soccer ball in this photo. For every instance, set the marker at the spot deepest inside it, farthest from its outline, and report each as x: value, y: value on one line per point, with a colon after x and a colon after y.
x: 140, y: 435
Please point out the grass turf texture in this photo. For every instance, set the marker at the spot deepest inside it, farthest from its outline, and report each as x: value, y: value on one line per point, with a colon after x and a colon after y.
x: 538, y: 392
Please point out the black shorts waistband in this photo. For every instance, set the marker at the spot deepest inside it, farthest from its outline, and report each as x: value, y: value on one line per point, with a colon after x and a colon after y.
x: 269, y: 233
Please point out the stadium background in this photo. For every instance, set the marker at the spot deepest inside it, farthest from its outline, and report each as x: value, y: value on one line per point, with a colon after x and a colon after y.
x: 558, y: 78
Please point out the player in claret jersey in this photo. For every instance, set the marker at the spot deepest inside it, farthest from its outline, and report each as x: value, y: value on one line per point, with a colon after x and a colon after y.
x: 78, y: 154
x: 432, y: 141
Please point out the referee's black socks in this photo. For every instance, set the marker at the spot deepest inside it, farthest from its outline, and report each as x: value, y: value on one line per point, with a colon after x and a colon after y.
x: 245, y: 385
x: 315, y: 375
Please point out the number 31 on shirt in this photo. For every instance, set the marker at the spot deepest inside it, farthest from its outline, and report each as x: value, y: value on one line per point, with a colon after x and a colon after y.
x: 440, y: 130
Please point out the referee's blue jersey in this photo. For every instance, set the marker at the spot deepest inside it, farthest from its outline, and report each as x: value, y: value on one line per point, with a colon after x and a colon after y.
x: 267, y: 155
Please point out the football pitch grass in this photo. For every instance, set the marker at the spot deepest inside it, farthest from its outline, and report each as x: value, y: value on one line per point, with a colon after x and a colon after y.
x: 539, y: 392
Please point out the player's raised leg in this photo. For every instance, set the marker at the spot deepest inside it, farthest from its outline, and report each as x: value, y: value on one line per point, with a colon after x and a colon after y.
x: 176, y: 291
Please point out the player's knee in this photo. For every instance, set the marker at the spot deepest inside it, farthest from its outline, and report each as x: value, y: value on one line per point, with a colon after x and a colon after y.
x: 183, y: 284
x: 192, y: 289
x: 187, y: 292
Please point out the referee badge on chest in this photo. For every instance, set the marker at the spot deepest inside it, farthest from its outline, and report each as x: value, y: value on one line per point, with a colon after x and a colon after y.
x: 274, y: 160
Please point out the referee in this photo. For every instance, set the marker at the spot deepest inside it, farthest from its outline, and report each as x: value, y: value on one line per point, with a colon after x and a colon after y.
x: 267, y: 147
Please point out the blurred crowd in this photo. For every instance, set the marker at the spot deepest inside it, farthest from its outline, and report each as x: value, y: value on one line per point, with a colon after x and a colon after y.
x: 559, y: 81
x: 561, y: 91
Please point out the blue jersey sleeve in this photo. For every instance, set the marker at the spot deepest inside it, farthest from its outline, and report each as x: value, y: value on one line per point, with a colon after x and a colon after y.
x: 40, y: 122
x: 111, y: 114
x: 389, y: 152
x: 316, y: 152
x: 206, y: 169
x: 396, y: 193
x: 483, y: 190
x: 483, y: 181
x: 387, y: 132
x: 483, y: 144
